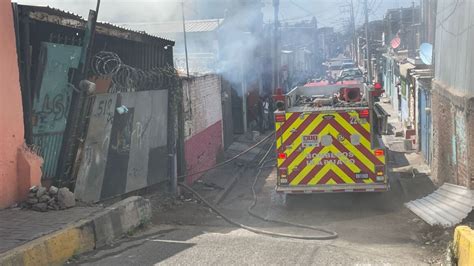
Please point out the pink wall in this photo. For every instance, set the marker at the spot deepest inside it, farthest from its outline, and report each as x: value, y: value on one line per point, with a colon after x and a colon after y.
x: 202, y: 149
x: 14, y: 158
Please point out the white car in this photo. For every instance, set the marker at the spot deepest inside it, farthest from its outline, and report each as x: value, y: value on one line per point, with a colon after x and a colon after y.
x: 351, y: 74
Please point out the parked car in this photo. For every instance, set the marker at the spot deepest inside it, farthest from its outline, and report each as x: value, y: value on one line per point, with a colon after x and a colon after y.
x: 351, y: 74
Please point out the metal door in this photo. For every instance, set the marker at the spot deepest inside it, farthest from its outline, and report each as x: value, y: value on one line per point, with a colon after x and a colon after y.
x: 52, y: 101
x: 227, y: 113
x: 425, y: 124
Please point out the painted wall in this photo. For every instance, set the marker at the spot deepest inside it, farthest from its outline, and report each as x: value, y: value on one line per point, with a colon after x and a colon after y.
x: 19, y: 168
x: 203, y: 123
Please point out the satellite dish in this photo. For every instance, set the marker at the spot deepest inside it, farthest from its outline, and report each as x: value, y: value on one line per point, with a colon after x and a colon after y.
x: 426, y: 53
x: 395, y: 42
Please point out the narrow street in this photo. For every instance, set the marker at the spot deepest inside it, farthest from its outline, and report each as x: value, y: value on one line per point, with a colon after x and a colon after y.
x: 236, y: 132
x: 373, y: 228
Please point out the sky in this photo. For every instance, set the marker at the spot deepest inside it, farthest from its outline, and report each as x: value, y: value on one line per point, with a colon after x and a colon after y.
x: 333, y: 13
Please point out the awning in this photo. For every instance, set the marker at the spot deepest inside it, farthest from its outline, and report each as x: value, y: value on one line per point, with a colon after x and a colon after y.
x: 404, y: 69
x: 447, y: 206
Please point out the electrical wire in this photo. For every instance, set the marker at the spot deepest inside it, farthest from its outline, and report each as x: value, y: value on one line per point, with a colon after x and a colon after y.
x: 329, y: 234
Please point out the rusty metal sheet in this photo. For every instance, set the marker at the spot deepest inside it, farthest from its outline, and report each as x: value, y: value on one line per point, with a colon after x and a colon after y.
x: 94, y: 154
x: 124, y: 152
x: 52, y: 101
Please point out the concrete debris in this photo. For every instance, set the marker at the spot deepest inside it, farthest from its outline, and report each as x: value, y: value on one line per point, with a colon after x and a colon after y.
x: 66, y: 198
x: 53, y: 190
x: 41, y: 191
x: 43, y: 199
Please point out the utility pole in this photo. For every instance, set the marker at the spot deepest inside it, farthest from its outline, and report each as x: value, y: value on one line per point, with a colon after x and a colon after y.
x: 276, y: 53
x: 355, y: 55
x: 185, y: 42
x: 367, y: 44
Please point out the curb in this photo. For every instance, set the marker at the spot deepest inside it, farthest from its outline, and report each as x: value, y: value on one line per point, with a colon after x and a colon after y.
x: 83, y: 236
x: 227, y: 188
x: 463, y: 245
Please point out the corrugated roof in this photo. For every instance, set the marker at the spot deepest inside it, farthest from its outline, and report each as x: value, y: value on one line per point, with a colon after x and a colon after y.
x: 447, y: 206
x: 404, y: 69
x: 65, y: 18
x: 205, y: 25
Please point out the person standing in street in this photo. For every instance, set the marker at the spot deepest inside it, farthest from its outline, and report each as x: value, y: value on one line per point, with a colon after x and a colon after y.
x: 265, y: 112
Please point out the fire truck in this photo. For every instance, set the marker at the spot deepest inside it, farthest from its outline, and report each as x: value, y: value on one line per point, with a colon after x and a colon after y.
x: 327, y: 139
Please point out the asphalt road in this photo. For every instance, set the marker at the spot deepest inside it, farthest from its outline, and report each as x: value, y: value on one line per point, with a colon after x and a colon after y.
x: 374, y: 229
x: 200, y: 245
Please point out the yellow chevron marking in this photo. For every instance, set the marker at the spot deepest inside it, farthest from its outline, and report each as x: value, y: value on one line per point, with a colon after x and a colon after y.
x: 297, y: 142
x: 297, y: 161
x: 366, y: 126
x: 331, y: 182
x: 285, y: 135
x: 306, y: 131
x: 332, y: 131
x: 343, y: 122
x: 320, y: 175
x: 354, y: 150
x: 301, y: 175
x: 302, y: 155
x: 368, y: 181
x: 342, y: 175
x: 365, y: 142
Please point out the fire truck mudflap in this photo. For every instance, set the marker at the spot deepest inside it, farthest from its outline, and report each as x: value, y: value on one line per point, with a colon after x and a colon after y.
x: 329, y: 151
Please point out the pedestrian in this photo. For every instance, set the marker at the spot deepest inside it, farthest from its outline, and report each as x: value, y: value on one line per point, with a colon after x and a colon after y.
x: 266, y: 112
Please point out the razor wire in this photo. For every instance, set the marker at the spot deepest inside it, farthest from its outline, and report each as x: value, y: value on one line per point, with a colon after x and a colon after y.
x: 126, y: 78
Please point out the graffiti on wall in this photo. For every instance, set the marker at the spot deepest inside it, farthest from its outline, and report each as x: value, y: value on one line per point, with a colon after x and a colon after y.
x: 52, y: 100
x: 124, y: 151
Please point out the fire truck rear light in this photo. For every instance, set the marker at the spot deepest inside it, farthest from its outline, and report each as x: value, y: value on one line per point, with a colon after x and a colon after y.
x: 380, y: 178
x: 364, y: 113
x: 280, y: 118
x: 379, y: 152
x: 282, y: 155
x: 379, y: 173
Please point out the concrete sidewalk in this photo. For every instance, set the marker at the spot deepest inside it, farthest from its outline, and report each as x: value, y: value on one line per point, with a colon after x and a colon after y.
x: 51, y: 238
x: 18, y: 226
x: 406, y: 166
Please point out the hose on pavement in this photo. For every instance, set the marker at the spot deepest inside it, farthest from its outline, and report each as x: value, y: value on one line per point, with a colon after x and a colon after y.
x: 328, y: 234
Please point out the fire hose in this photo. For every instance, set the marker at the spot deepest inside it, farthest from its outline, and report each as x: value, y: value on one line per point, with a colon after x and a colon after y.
x: 328, y: 233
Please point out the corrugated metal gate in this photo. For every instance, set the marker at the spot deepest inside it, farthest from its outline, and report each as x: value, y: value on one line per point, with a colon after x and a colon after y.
x: 124, y: 152
x: 425, y: 124
x: 52, y: 101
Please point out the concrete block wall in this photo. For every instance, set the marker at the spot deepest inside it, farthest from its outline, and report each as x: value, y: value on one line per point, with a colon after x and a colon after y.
x: 203, y: 123
x: 452, y: 137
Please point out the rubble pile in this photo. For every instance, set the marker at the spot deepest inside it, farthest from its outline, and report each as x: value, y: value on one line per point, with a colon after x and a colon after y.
x: 43, y: 199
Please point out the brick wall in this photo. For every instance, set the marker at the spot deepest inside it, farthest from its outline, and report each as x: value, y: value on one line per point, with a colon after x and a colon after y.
x: 452, y: 139
x: 470, y: 147
x: 202, y: 123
